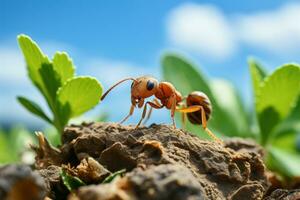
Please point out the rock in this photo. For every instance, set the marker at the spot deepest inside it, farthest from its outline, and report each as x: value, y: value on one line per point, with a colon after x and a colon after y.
x: 165, y: 182
x: 19, y: 182
x: 281, y: 194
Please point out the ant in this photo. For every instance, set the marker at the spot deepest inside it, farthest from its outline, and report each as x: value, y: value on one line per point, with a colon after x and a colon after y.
x: 197, y: 106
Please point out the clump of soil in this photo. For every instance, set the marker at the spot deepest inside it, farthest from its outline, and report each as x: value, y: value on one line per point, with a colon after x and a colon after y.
x: 159, y: 160
x: 161, y: 163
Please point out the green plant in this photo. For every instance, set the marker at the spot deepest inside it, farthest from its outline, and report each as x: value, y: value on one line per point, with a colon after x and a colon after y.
x: 275, y: 121
x: 277, y: 108
x: 14, y: 143
x: 71, y: 182
x: 111, y: 177
x: 67, y: 95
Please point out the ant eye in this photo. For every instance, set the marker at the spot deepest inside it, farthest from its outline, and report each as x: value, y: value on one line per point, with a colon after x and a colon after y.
x: 150, y: 85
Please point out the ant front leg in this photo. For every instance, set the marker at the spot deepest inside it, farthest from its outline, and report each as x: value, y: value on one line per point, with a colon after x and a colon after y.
x: 153, y: 105
x: 195, y: 108
x: 130, y: 113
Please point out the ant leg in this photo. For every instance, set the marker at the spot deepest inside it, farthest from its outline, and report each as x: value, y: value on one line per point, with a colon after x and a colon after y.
x: 183, y: 115
x: 153, y: 105
x: 195, y: 108
x: 130, y: 113
x: 148, y: 115
x: 173, y: 108
x: 183, y: 120
x: 151, y: 108
x: 204, y: 125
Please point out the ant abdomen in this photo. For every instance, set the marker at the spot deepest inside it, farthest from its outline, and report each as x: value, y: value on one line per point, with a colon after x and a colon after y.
x: 201, y: 99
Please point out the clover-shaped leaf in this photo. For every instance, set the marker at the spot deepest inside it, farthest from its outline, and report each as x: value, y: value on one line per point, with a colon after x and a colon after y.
x: 79, y: 95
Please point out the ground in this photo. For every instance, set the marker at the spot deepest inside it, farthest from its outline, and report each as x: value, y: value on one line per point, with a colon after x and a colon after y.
x: 160, y: 162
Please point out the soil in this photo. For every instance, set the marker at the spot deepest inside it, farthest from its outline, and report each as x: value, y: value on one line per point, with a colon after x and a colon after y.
x: 160, y: 163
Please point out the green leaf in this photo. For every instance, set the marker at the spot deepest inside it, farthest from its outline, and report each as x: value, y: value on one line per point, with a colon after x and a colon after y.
x: 293, y: 120
x: 63, y: 65
x: 79, y: 95
x: 187, y: 78
x: 257, y: 75
x: 34, y: 108
x: 71, y: 182
x: 286, y: 140
x: 276, y: 98
x: 285, y: 162
x: 51, y: 81
x: 230, y: 102
x: 52, y: 136
x: 111, y: 177
x: 297, y: 141
x: 34, y: 59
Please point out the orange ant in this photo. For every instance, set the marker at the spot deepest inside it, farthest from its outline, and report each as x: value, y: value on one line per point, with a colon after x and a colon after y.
x: 197, y: 107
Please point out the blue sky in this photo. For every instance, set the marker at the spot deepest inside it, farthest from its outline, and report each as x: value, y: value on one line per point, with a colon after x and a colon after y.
x: 115, y: 39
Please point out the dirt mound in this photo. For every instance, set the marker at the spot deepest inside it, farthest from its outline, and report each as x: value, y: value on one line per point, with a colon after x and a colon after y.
x: 160, y: 159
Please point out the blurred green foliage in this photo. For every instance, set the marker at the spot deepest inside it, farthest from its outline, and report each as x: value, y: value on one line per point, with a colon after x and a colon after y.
x: 274, y: 121
x: 14, y: 143
x: 67, y: 95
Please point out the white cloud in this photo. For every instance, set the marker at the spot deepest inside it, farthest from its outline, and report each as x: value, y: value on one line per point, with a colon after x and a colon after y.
x: 204, y: 29
x: 277, y: 31
x: 201, y: 28
x: 12, y: 66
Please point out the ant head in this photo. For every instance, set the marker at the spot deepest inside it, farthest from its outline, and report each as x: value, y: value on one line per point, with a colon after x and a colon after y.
x: 144, y: 87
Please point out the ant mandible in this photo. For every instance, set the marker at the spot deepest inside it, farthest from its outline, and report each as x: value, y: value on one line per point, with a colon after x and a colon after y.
x: 197, y: 106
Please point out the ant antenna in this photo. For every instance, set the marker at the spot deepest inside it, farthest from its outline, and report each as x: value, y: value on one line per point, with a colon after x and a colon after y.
x: 112, y: 87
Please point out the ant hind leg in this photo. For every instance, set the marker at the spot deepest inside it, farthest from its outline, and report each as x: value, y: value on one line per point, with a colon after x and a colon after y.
x: 195, y: 108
